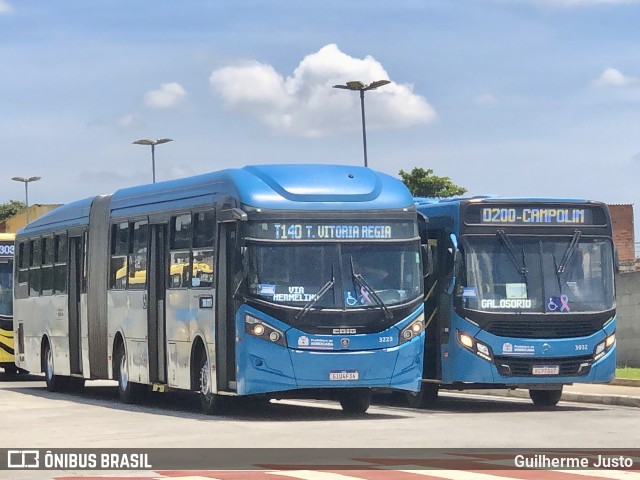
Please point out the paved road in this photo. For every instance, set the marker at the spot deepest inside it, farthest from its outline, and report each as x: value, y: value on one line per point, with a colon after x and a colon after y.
x: 94, y: 418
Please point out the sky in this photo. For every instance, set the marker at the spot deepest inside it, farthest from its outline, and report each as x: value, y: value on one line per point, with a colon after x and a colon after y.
x: 505, y: 97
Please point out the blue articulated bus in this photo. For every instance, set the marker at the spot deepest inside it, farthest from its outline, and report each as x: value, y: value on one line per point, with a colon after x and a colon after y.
x: 267, y: 281
x: 522, y: 296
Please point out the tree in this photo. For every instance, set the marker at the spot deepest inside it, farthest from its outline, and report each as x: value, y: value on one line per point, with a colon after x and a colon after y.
x: 422, y: 183
x: 10, y: 208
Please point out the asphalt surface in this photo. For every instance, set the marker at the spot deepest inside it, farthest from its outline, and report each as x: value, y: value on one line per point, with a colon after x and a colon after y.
x: 620, y: 392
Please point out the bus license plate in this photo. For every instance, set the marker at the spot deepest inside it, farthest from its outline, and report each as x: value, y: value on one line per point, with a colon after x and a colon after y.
x: 343, y: 375
x: 546, y: 369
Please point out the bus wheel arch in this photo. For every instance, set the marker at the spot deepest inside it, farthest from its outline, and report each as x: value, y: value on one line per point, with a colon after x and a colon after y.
x: 202, y: 380
x: 54, y: 382
x: 128, y: 391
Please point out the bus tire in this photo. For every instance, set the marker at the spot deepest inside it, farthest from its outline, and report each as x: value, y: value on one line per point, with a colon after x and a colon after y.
x: 427, y: 396
x: 210, y: 402
x: 10, y: 370
x: 55, y: 383
x: 75, y: 383
x: 356, y: 403
x: 545, y: 398
x: 128, y: 391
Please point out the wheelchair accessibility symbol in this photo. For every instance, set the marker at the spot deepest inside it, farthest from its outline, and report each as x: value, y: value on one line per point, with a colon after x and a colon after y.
x: 558, y: 304
x: 349, y: 299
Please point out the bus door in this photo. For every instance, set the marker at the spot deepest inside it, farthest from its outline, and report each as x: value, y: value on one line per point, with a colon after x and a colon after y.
x: 156, y: 325
x: 76, y: 269
x: 226, y: 305
x: 437, y: 303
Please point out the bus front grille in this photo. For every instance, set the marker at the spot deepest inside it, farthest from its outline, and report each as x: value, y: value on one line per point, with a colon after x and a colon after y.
x: 544, y: 328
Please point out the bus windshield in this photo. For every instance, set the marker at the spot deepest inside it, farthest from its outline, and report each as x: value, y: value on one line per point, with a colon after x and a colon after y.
x: 353, y: 275
x: 537, y: 275
x: 6, y: 287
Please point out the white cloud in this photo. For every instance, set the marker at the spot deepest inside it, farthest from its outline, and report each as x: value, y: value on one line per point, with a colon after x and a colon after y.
x: 306, y: 104
x: 612, y: 77
x: 167, y: 96
x: 126, y: 121
x: 5, y: 7
x: 485, y: 99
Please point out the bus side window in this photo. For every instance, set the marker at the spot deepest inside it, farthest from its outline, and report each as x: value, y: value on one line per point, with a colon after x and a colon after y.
x: 22, y: 289
x: 203, y: 240
x: 119, y: 252
x: 35, y: 261
x: 46, y: 272
x: 60, y: 262
x: 138, y: 256
x: 180, y: 247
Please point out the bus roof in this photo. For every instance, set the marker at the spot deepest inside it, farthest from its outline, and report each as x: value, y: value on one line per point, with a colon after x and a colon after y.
x: 278, y: 187
x: 496, y: 198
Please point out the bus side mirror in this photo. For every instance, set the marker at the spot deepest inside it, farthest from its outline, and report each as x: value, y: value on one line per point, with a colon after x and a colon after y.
x: 427, y: 260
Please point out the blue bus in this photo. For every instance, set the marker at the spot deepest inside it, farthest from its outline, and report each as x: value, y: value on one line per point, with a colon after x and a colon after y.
x: 522, y: 296
x: 269, y: 281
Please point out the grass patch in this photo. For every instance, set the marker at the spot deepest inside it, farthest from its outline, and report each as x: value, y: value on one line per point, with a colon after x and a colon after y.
x: 626, y: 372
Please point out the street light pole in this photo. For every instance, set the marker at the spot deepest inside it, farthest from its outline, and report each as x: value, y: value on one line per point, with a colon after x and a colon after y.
x: 153, y: 144
x: 361, y: 87
x: 26, y: 182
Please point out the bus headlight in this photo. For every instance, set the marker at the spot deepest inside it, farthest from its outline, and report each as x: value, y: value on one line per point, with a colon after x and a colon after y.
x: 258, y: 328
x: 604, y: 346
x: 412, y: 330
x: 479, y: 348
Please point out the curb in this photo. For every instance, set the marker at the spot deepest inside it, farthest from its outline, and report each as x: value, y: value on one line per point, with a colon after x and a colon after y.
x: 625, y: 382
x: 602, y: 399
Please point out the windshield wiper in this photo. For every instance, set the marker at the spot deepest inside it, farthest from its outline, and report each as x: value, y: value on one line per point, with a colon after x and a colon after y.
x: 362, y: 283
x: 555, y: 266
x: 325, y: 288
x: 562, y: 267
x: 522, y: 270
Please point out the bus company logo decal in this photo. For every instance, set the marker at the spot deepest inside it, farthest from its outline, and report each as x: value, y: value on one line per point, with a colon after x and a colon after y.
x: 344, y: 331
x: 315, y: 342
x: 344, y: 342
x: 546, y: 348
x: 509, y: 348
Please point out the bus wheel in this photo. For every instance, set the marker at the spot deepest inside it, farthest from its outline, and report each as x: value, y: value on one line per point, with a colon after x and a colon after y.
x: 128, y: 391
x: 75, y: 383
x: 425, y: 398
x: 545, y: 398
x: 10, y: 370
x: 54, y: 382
x: 210, y: 402
x: 356, y: 402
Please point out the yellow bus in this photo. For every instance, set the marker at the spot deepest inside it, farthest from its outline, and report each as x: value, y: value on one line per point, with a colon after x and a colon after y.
x: 6, y: 302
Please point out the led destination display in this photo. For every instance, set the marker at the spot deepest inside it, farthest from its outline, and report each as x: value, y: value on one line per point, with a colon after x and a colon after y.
x: 323, y: 231
x: 534, y: 215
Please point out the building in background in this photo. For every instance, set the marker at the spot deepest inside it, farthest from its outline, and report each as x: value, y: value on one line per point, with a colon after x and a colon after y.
x: 13, y: 224
x: 623, y: 236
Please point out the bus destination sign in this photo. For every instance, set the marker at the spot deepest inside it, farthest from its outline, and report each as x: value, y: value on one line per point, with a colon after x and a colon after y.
x: 323, y: 231
x: 6, y: 249
x: 533, y: 215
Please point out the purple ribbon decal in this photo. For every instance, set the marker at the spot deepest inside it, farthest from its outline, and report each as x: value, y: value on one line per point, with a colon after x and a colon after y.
x: 365, y: 295
x: 564, y: 300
